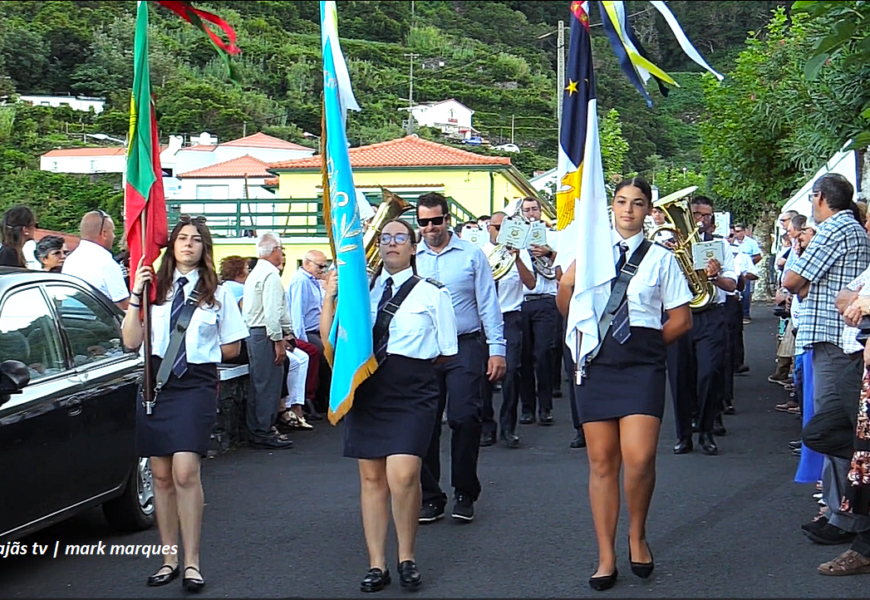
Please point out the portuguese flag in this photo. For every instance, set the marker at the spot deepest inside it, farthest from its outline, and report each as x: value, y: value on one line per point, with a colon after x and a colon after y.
x: 143, y: 194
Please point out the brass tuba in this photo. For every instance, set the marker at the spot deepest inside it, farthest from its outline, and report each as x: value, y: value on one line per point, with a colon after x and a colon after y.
x: 501, y: 261
x: 392, y: 206
x: 682, y: 226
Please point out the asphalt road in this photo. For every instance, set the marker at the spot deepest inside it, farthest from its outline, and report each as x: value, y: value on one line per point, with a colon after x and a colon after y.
x: 286, y: 524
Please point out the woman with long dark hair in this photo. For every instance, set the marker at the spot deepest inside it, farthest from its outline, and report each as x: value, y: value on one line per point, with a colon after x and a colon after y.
x: 176, y: 435
x: 18, y: 227
x: 622, y: 398
x: 394, y: 411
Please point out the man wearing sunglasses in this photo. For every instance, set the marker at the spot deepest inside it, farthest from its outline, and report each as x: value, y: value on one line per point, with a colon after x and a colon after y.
x: 463, y: 268
x: 92, y: 260
x: 305, y: 297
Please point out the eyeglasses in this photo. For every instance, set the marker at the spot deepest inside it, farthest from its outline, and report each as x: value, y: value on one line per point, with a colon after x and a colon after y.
x: 399, y: 238
x: 432, y: 221
x: 322, y: 267
x: 698, y: 215
x: 58, y: 253
x: 188, y: 220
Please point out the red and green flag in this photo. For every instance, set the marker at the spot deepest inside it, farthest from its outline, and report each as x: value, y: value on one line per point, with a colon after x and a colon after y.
x: 144, y: 202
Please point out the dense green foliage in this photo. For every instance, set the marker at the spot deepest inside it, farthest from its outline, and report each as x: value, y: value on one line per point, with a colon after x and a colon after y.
x: 500, y: 60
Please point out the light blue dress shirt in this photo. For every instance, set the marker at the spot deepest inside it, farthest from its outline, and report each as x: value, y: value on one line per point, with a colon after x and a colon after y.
x: 424, y: 327
x: 305, y: 297
x: 465, y: 270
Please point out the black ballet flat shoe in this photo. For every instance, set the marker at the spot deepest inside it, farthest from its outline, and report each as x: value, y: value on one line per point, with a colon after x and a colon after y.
x: 193, y: 584
x: 599, y: 584
x: 375, y: 580
x: 642, y: 570
x: 409, y: 575
x: 159, y: 578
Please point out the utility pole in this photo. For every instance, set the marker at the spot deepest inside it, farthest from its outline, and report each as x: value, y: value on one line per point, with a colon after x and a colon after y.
x: 412, y: 56
x: 560, y: 74
x: 512, y: 128
x: 244, y: 129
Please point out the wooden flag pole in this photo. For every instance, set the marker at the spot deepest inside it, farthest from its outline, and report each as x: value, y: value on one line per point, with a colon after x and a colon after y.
x: 147, y: 387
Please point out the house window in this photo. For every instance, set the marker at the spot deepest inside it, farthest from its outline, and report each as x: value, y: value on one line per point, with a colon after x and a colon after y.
x: 54, y: 166
x: 93, y: 166
x: 212, y: 192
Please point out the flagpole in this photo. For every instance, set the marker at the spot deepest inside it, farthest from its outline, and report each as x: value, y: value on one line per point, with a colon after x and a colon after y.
x: 147, y: 388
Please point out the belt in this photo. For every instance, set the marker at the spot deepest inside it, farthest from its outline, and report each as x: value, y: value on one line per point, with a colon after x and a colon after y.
x: 696, y: 311
x: 530, y: 297
x: 469, y: 336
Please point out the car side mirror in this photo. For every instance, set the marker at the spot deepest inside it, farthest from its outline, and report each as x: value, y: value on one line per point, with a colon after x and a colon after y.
x: 14, y: 376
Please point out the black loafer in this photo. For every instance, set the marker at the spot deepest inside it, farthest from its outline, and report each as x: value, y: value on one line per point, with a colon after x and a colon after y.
x: 409, y: 575
x: 375, y: 580
x: 162, y: 578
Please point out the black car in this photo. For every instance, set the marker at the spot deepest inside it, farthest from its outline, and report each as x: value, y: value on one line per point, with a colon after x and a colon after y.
x: 68, y: 392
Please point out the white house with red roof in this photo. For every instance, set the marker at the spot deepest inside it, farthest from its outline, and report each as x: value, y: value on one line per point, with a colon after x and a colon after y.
x: 233, y: 179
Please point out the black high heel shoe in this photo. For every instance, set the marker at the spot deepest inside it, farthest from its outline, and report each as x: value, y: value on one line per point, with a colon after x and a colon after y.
x: 599, y: 584
x: 159, y: 578
x: 193, y: 584
x: 642, y: 570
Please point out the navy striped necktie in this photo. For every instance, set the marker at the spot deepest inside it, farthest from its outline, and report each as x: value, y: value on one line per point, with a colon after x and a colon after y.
x: 623, y: 251
x: 179, y: 367
x: 381, y: 344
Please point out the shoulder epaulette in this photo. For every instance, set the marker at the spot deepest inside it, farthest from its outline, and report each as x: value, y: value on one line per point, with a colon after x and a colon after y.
x: 435, y: 282
x: 661, y: 245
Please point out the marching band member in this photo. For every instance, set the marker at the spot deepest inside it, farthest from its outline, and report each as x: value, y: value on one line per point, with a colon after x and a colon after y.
x: 510, y: 290
x: 704, y: 350
x: 621, y: 400
x: 465, y: 270
x: 540, y: 323
x: 176, y: 435
x: 395, y: 410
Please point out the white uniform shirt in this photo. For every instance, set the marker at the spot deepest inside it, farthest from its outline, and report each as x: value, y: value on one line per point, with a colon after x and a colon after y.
x: 658, y: 284
x: 210, y: 327
x: 94, y: 264
x: 726, y: 271
x: 510, y: 288
x: 742, y: 265
x: 424, y: 327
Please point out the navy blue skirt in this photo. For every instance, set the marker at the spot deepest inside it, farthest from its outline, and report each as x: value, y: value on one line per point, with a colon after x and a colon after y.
x: 393, y: 411
x: 184, y: 413
x: 625, y: 379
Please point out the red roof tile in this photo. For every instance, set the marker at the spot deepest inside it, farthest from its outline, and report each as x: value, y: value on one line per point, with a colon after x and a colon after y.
x: 237, y: 167
x: 409, y: 151
x: 273, y: 182
x: 261, y: 140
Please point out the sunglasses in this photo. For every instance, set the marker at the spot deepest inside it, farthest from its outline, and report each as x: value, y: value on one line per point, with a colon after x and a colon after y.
x: 432, y: 221
x: 103, y: 216
x: 58, y: 253
x: 399, y: 238
x: 188, y: 220
x: 496, y: 227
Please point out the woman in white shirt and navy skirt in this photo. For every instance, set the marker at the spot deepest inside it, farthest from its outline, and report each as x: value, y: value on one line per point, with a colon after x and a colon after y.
x: 622, y: 396
x: 176, y: 435
x: 394, y: 411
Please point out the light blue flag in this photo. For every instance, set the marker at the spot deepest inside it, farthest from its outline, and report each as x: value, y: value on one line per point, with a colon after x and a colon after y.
x: 349, y: 347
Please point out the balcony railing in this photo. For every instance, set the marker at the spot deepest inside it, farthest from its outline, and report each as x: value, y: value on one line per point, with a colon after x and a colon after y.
x: 289, y: 217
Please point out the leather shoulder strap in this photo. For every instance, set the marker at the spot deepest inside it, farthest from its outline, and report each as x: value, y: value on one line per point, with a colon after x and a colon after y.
x: 617, y: 294
x: 175, y: 339
x: 388, y: 312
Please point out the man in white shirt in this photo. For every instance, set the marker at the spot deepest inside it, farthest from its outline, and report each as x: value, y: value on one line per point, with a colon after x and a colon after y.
x: 92, y: 260
x: 747, y: 245
x: 510, y: 289
x: 268, y: 319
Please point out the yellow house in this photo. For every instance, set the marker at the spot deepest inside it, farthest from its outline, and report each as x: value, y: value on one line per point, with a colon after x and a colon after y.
x: 474, y: 185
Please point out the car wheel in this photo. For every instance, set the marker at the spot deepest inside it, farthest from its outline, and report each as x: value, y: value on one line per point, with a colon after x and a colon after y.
x: 133, y: 510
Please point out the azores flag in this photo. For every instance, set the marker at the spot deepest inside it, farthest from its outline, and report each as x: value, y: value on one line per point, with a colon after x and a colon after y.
x: 581, y: 200
x: 349, y: 346
x: 144, y: 203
